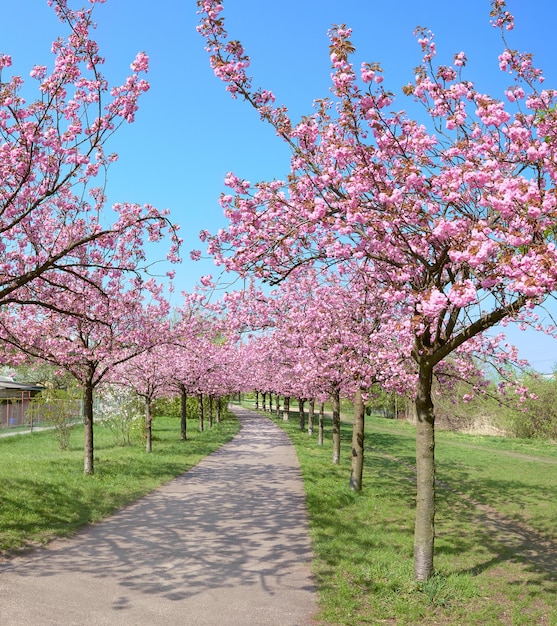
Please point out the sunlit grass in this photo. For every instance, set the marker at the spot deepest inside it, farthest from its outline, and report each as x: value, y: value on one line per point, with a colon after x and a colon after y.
x: 485, y: 572
x: 45, y: 494
x: 496, y: 558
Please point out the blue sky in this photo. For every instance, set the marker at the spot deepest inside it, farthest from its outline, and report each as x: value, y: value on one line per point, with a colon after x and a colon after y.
x: 189, y: 133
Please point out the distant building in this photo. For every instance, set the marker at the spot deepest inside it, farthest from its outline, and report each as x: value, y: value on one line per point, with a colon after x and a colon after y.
x: 14, y: 401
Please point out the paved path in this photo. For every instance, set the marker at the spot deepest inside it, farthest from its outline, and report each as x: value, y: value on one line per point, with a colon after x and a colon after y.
x: 224, y: 544
x: 12, y: 433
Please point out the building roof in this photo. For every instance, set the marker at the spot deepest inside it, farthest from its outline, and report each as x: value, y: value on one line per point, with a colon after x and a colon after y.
x: 6, y: 383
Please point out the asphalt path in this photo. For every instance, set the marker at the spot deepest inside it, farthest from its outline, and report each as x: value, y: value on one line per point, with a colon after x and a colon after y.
x: 224, y: 544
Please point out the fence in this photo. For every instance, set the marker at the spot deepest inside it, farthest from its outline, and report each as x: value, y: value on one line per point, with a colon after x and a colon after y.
x: 13, y: 409
x: 19, y: 410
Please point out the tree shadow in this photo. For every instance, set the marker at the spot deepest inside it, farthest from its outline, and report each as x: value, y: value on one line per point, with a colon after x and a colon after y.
x: 505, y: 539
x: 508, y: 540
x: 235, y: 521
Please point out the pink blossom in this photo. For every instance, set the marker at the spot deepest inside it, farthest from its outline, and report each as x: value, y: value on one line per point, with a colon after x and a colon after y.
x: 433, y: 302
x: 141, y: 63
x: 462, y: 294
x: 5, y: 60
x: 460, y: 59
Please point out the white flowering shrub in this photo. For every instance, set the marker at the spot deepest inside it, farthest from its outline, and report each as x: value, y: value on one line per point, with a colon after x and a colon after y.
x: 121, y: 410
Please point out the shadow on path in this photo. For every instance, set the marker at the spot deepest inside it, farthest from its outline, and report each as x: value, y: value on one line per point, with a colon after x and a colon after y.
x: 225, y: 543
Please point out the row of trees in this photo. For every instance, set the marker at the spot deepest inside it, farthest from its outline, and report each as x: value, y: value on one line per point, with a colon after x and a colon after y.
x: 415, y: 235
x: 73, y: 271
x: 129, y: 343
x: 392, y: 249
x: 75, y: 284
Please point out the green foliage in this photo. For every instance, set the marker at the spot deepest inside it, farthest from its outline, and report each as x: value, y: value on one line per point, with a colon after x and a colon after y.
x: 537, y: 417
x: 58, y: 408
x: 385, y: 404
x: 48, y: 375
x: 491, y: 412
x: 167, y: 406
x: 171, y: 407
x: 483, y: 412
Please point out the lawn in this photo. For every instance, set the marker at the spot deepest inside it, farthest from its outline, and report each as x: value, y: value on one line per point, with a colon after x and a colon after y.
x: 45, y: 494
x: 496, y: 544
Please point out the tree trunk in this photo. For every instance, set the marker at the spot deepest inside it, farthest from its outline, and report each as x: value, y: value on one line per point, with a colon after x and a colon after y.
x: 88, y: 444
x: 336, y: 427
x: 311, y: 417
x: 210, y: 410
x: 321, y: 424
x: 277, y: 404
x: 424, y: 533
x: 219, y: 409
x: 357, y: 466
x: 301, y: 403
x: 411, y: 411
x: 256, y: 400
x: 200, y: 412
x: 183, y: 413
x: 264, y: 402
x: 286, y: 409
x: 148, y: 426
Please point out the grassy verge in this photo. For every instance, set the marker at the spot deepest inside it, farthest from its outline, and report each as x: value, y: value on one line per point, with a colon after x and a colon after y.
x: 496, y: 547
x: 44, y: 493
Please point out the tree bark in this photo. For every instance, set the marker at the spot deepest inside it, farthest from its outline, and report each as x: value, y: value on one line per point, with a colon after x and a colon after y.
x: 301, y: 403
x: 88, y: 443
x: 148, y: 425
x: 336, y: 427
x: 183, y: 413
x: 201, y: 415
x: 357, y: 465
x: 321, y: 427
x: 286, y: 409
x: 311, y: 417
x: 256, y: 400
x: 219, y: 409
x: 210, y: 410
x: 424, y: 532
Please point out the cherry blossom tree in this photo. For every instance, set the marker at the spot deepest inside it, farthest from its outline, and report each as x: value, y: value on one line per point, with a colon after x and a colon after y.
x: 453, y: 220
x: 53, y: 163
x: 201, y: 345
x: 64, y: 255
x: 324, y: 335
x: 178, y: 381
x: 148, y: 374
x: 89, y: 330
x: 354, y: 342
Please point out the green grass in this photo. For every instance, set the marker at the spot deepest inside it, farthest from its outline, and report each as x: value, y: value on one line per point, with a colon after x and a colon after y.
x: 496, y: 544
x: 44, y: 493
